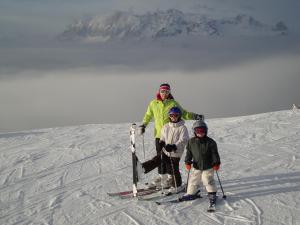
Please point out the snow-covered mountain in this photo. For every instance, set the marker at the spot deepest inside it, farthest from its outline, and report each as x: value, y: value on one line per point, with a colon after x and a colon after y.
x: 61, y: 175
x: 122, y: 25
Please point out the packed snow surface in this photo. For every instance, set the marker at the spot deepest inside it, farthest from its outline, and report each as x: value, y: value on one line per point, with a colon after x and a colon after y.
x: 62, y: 175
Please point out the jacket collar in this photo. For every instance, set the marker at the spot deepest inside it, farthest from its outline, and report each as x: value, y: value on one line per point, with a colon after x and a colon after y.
x: 178, y: 124
x: 201, y: 140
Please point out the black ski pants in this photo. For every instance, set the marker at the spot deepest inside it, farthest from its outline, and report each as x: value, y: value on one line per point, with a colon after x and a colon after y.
x: 165, y: 164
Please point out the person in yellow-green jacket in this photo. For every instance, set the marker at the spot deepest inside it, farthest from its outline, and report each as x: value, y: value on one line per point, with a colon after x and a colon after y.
x: 158, y: 110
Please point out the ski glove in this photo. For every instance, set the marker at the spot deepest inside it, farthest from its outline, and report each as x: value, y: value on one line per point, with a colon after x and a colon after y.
x: 199, y: 117
x: 141, y: 129
x: 216, y: 167
x: 188, y: 166
x: 161, y: 145
x: 170, y: 148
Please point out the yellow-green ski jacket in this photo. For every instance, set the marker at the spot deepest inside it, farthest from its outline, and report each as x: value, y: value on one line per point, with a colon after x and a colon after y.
x: 158, y: 110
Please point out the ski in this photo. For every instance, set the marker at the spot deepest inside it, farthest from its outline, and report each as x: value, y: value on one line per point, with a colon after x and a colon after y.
x: 134, y: 160
x: 139, y: 194
x: 129, y: 192
x: 155, y: 196
x: 180, y: 199
x: 159, y: 195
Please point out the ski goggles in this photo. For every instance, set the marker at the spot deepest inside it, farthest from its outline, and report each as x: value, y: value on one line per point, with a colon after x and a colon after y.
x: 200, y: 130
x: 164, y: 91
x: 174, y: 115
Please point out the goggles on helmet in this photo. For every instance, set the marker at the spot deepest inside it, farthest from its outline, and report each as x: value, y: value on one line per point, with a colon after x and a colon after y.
x: 174, y: 115
x: 200, y: 130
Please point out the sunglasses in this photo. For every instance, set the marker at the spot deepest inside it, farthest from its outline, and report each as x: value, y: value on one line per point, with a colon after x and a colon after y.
x: 164, y: 91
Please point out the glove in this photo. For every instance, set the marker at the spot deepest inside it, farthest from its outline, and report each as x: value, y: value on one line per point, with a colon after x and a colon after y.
x: 161, y: 145
x: 216, y: 167
x: 199, y: 117
x: 188, y: 166
x: 141, y: 129
x: 170, y: 148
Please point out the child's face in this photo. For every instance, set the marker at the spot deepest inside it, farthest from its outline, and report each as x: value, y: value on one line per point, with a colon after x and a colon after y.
x: 200, y: 132
x: 174, y: 117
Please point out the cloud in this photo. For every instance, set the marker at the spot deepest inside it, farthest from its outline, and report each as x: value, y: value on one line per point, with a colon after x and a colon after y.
x: 186, y: 55
x: 81, y: 96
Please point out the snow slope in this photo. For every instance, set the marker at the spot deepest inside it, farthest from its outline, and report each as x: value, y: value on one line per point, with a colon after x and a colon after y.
x: 61, y: 175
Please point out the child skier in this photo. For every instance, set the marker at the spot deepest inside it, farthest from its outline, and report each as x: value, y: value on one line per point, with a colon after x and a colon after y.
x: 202, y: 152
x: 173, y: 139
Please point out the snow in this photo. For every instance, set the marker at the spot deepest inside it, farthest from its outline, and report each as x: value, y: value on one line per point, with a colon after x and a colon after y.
x: 61, y: 175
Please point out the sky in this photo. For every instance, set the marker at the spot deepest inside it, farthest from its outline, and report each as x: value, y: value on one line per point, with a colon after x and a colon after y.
x: 46, y: 83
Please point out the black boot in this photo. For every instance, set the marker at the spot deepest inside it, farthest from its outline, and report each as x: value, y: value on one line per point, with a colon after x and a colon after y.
x: 212, y: 198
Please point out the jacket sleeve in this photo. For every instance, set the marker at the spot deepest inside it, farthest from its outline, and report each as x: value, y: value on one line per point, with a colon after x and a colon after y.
x: 148, y: 115
x: 182, y: 140
x: 185, y: 114
x: 188, y: 156
x: 215, y: 154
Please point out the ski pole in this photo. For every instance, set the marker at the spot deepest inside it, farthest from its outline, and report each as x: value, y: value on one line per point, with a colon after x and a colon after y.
x: 144, y: 147
x: 224, y: 196
x: 161, y: 167
x: 135, y: 175
x: 187, y: 180
x: 173, y: 171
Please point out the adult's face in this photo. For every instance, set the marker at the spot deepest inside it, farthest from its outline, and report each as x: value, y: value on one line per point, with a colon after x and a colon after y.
x: 164, y: 94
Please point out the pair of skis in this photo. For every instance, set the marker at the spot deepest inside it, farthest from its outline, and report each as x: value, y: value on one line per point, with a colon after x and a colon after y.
x: 154, y: 195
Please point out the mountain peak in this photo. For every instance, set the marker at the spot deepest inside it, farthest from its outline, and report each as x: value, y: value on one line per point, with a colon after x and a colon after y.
x: 121, y: 25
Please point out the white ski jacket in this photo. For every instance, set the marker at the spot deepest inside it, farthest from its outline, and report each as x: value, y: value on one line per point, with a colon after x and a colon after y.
x: 175, y: 133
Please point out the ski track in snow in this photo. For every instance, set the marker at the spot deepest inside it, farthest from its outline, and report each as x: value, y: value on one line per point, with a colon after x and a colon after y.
x: 61, y: 175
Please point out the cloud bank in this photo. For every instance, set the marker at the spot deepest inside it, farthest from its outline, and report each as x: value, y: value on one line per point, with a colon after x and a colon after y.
x: 87, y: 96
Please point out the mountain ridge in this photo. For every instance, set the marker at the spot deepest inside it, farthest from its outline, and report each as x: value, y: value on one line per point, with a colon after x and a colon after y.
x: 121, y: 25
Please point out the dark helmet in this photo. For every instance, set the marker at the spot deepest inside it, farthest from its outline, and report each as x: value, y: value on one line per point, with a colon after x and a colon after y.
x: 175, y: 110
x: 200, y: 124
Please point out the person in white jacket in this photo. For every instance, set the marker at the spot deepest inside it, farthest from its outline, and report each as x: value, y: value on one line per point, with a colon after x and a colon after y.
x: 174, y: 137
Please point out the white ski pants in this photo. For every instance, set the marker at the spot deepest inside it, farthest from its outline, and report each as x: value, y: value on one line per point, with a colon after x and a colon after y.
x: 198, y: 176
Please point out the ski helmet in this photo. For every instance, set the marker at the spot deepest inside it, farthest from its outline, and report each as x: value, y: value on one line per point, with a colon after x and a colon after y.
x: 200, y: 124
x: 175, y: 110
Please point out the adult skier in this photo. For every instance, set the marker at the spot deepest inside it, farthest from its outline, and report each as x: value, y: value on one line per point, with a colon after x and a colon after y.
x: 158, y: 110
x: 202, y: 152
x: 173, y: 139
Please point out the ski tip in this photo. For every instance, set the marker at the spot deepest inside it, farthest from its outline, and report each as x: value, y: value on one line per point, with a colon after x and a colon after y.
x: 211, y: 210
